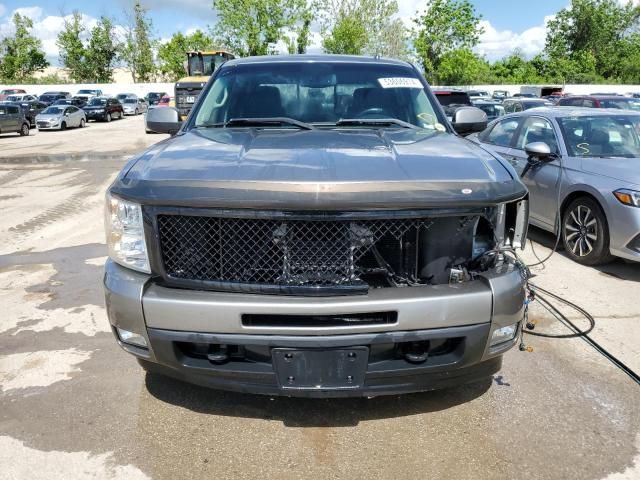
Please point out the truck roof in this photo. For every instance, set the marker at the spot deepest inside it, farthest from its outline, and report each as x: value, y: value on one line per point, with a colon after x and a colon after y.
x: 306, y: 58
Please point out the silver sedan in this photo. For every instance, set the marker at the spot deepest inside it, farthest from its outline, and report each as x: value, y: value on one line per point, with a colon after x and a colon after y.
x: 582, y: 168
x: 60, y: 117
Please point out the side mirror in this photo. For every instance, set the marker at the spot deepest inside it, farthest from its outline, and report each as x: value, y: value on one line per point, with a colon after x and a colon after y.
x: 467, y: 120
x: 164, y: 120
x: 539, y: 151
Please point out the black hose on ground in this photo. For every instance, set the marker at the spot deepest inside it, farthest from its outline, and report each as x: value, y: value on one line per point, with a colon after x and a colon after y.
x: 578, y: 333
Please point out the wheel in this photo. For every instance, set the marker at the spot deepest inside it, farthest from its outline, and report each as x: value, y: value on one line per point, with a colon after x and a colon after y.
x: 82, y: 123
x: 136, y: 112
x: 63, y: 126
x: 585, y: 233
x: 108, y: 119
x: 24, y: 130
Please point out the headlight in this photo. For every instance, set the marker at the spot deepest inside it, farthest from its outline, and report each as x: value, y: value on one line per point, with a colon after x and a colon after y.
x: 100, y: 110
x: 628, y: 197
x: 125, y: 234
x: 504, y: 334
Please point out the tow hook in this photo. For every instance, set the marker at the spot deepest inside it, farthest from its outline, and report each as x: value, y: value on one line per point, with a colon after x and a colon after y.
x: 418, y: 352
x: 219, y: 357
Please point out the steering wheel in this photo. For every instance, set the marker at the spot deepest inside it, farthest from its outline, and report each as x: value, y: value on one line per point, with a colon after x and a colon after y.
x: 373, y: 112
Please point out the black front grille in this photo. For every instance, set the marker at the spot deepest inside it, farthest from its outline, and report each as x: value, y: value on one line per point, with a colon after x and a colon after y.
x: 286, y: 254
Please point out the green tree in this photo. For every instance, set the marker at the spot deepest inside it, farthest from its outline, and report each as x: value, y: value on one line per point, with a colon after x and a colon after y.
x: 363, y: 27
x: 21, y: 54
x: 462, y: 67
x: 444, y: 26
x: 593, y: 29
x: 102, y: 52
x: 137, y: 49
x: 348, y: 36
x: 173, y: 54
x: 253, y: 27
x: 71, y: 48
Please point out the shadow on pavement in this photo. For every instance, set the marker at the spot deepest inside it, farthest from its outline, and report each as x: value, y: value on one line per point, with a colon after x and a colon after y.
x: 302, y: 412
x: 619, y: 268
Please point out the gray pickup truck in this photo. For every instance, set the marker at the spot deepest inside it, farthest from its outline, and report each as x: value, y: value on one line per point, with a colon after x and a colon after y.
x: 316, y: 227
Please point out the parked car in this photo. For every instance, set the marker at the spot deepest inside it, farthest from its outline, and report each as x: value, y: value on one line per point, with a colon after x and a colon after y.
x: 12, y: 119
x: 317, y: 221
x: 31, y: 109
x: 519, y: 104
x: 76, y: 102
x: 60, y: 117
x: 88, y: 94
x: 122, y: 96
x: 103, y: 108
x: 500, y: 94
x: 10, y: 91
x: 582, y: 174
x: 451, y: 100
x: 134, y: 105
x: 49, y: 97
x: 601, y: 101
x: 492, y: 108
x: 153, y: 98
x: 20, y: 97
x: 474, y: 94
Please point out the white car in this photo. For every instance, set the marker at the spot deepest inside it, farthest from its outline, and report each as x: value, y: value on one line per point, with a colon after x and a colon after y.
x: 20, y: 97
x: 134, y: 105
x: 61, y: 117
x: 88, y: 94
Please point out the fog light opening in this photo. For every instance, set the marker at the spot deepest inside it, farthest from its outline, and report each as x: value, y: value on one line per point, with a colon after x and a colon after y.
x: 131, y: 338
x: 504, y: 334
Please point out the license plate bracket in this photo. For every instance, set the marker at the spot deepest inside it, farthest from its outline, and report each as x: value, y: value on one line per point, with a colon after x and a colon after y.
x: 314, y: 369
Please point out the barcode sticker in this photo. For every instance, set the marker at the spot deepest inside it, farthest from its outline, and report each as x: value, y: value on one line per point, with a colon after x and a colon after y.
x: 400, y: 82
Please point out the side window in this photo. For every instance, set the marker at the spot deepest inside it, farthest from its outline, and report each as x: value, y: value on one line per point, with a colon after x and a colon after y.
x: 517, y: 107
x: 589, y: 103
x: 13, y: 110
x: 537, y: 129
x: 508, y: 107
x: 502, y: 133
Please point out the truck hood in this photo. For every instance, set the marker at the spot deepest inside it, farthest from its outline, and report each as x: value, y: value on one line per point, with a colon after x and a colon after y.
x: 318, y: 169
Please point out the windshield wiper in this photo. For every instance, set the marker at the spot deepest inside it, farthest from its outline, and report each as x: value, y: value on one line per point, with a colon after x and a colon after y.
x: 266, y: 121
x: 379, y: 122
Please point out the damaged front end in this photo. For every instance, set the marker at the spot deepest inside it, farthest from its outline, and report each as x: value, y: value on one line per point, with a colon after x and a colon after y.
x: 330, y: 253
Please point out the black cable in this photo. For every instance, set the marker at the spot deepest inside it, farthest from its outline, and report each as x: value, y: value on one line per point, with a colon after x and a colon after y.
x: 547, y: 305
x: 580, y: 333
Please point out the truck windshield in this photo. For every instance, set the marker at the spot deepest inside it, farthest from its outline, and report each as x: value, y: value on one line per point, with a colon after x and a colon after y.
x: 205, y: 64
x: 322, y: 93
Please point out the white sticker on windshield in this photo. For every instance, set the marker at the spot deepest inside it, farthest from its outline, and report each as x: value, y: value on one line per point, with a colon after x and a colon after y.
x: 400, y: 82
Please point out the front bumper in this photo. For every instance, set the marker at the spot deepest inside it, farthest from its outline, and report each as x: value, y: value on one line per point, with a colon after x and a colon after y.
x: 624, y: 231
x: 458, y: 318
x: 96, y: 116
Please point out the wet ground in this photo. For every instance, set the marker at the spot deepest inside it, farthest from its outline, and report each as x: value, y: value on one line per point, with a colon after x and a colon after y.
x: 73, y: 405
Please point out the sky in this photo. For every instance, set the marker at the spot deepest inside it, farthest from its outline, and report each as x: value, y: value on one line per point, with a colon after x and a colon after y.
x: 507, y: 24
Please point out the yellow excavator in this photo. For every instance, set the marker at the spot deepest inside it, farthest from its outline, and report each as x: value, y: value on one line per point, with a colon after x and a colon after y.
x: 200, y: 66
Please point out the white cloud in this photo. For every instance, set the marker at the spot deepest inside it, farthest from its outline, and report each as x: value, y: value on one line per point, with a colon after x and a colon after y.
x: 496, y: 44
x: 3, y: 9
x: 34, y: 13
x: 47, y: 28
